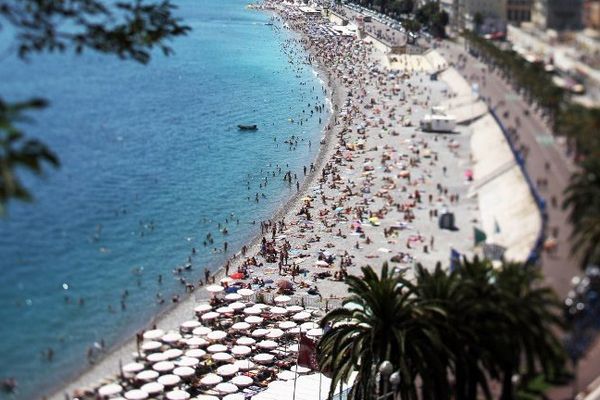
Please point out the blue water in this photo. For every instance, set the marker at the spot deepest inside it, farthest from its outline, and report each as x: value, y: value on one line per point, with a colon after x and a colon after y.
x: 151, y: 163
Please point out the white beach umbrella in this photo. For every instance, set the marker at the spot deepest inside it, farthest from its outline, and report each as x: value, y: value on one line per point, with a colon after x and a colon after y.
x: 245, y: 341
x: 244, y: 365
x: 275, y: 333
x: 293, y: 331
x: 267, y: 344
x: 252, y: 310
x: 173, y: 353
x: 241, y: 381
x: 278, y: 311
x: 206, y: 397
x: 169, y: 380
x: 307, y: 326
x: 227, y: 370
x: 163, y: 366
x: 156, y: 357
x: 178, y: 395
x: 301, y: 370
x: 153, y: 388
x: 216, y: 335
x: 225, y: 310
x: 211, y: 379
x: 237, y: 306
x: 171, y: 337
x: 286, y: 375
x: 196, y: 353
x: 195, y: 342
x: 240, y: 326
x: 136, y: 394
x: 222, y: 357
x: 132, y: 368
x: 285, y: 325
x: 151, y: 345
x: 187, y: 362
x: 184, y: 372
x: 253, y: 319
x: 301, y: 316
x: 262, y: 306
x: 293, y: 348
x: 259, y: 332
x: 226, y: 388
x: 234, y: 396
x: 226, y: 280
x: 209, y: 316
x: 201, y: 331
x: 233, y: 297
x: 110, y: 390
x: 202, y: 308
x: 189, y: 325
x: 294, y: 309
x: 240, y: 350
x: 146, y: 375
x: 318, y: 332
x: 215, y: 288
x: 282, y: 299
x: 153, y: 334
x: 245, y: 292
x: 264, y: 358
x: 216, y: 348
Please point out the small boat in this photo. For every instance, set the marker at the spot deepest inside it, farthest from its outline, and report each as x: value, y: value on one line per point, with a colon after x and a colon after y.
x: 248, y: 127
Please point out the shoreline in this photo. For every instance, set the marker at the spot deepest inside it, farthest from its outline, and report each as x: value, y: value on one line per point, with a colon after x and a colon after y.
x: 175, y: 313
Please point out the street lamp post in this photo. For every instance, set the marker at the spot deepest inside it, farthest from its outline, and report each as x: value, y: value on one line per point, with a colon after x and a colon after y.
x: 385, y: 376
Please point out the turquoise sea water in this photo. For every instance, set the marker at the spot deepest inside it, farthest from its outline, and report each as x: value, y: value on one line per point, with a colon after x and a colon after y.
x: 152, y: 162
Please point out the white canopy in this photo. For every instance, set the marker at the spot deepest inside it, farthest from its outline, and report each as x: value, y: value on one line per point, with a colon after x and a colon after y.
x: 307, y: 326
x: 245, y: 292
x: 196, y: 342
x: 215, y: 288
x: 225, y: 310
x: 173, y: 353
x: 216, y: 348
x: 153, y: 387
x: 163, y: 366
x: 302, y: 315
x: 227, y: 370
x: 209, y: 316
x: 226, y: 388
x: 234, y: 396
x: 133, y: 367
x: 240, y: 326
x: 196, y: 353
x: 233, y: 297
x: 110, y: 390
x: 178, y: 395
x: 147, y: 375
x: 315, y: 332
x: 153, y: 334
x: 252, y: 310
x: 241, y: 381
x: 169, y: 380
x: 171, y: 337
x: 201, y: 331
x: 184, y: 372
x: 267, y: 344
x: 287, y: 325
x: 259, y: 332
x: 245, y: 341
x: 240, y: 350
x: 253, y: 319
x: 282, y: 299
x: 294, y: 309
x: 187, y: 362
x: 216, y: 335
x: 263, y: 358
x: 237, y: 306
x: 156, y: 357
x: 244, y: 365
x: 151, y: 345
x: 222, y: 357
x: 211, y: 379
x: 189, y: 325
x: 136, y: 394
x: 278, y: 311
x: 202, y: 308
x: 275, y: 333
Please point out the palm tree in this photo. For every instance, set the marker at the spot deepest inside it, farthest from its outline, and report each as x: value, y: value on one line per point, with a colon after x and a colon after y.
x: 582, y: 198
x: 529, y: 341
x: 383, y: 319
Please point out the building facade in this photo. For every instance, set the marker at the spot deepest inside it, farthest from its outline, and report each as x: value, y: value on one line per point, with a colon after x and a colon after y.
x: 518, y: 11
x: 559, y: 15
x: 591, y: 14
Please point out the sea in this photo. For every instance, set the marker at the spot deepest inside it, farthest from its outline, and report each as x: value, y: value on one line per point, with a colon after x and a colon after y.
x: 152, y: 162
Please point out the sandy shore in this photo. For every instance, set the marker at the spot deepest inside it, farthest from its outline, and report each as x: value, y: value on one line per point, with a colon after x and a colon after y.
x: 378, y: 185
